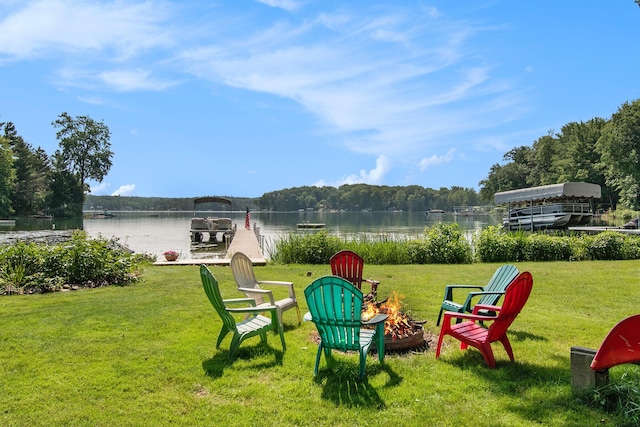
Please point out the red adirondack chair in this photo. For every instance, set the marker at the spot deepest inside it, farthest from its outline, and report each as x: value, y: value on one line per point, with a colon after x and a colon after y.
x: 472, y: 333
x: 621, y: 345
x: 349, y: 265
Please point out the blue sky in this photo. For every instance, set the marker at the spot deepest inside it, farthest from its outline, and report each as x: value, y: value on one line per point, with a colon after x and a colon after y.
x: 244, y: 97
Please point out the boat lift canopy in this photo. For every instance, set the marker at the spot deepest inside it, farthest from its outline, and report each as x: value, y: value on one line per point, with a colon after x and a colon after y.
x: 567, y: 190
x: 209, y: 199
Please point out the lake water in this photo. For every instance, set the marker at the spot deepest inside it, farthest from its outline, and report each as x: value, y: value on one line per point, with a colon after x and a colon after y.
x: 155, y: 232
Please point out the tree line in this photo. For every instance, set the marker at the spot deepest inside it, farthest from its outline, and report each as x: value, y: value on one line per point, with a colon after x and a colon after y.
x: 32, y: 182
x: 346, y: 197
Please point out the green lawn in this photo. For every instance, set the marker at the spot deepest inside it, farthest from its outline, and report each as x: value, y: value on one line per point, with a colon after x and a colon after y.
x: 145, y: 355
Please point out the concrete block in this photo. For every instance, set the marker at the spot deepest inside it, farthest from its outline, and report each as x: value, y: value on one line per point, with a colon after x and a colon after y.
x: 584, y: 378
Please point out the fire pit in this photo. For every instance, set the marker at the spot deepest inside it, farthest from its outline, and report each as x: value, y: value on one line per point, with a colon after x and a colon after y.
x: 400, y: 331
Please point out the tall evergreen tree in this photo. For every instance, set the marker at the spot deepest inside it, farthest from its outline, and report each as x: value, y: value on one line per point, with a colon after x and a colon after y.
x: 7, y: 178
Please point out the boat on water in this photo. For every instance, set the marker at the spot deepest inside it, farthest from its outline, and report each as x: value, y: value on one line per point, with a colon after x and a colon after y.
x: 307, y: 225
x: 99, y: 215
x: 434, y: 212
x: 556, y: 206
x: 209, y: 231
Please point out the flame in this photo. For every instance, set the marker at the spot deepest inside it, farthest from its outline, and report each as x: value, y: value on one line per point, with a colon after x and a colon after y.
x: 397, y: 324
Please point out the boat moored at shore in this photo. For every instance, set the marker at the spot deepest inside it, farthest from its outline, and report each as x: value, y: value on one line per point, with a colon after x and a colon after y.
x: 556, y: 206
x: 208, y: 231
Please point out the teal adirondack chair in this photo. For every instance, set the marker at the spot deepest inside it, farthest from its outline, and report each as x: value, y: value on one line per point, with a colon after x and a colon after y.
x: 255, y: 324
x: 487, y: 295
x: 335, y: 306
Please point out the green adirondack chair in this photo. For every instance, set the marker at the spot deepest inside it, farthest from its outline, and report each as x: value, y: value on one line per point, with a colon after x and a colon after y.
x: 255, y: 324
x: 487, y: 295
x: 335, y: 306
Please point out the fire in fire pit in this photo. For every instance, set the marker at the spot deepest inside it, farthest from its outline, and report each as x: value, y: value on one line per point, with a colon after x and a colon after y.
x: 400, y: 331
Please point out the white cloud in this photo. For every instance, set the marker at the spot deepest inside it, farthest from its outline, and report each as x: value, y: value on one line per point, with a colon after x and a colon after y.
x: 127, y: 81
x: 288, y: 5
x: 436, y: 160
x: 47, y: 28
x: 124, y: 190
x: 374, y: 176
x: 100, y: 189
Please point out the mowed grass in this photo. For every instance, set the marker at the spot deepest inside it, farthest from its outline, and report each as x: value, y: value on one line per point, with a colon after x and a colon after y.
x: 145, y: 355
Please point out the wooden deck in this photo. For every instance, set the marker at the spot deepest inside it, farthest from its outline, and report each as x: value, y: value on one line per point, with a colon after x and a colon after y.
x: 244, y: 241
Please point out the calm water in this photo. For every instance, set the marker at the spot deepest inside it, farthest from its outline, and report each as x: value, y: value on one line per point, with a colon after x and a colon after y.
x: 156, y: 232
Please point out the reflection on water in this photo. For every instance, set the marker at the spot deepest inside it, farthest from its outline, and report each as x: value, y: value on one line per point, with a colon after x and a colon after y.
x: 155, y: 232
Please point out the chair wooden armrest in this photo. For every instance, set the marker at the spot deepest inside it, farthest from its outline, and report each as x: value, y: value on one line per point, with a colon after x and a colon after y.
x: 467, y: 304
x: 274, y: 282
x: 448, y: 290
x: 486, y: 307
x: 378, y: 318
x: 289, y: 285
x: 448, y: 315
x: 259, y: 292
x: 250, y: 301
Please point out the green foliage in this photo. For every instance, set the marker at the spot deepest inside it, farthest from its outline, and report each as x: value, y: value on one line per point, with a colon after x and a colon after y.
x: 619, y: 145
x: 493, y: 245
x: 541, y: 247
x: 445, y: 244
x: 356, y: 197
x: 84, y: 262
x: 621, y: 397
x: 496, y: 245
x: 7, y: 178
x: 607, y: 245
x: 314, y: 248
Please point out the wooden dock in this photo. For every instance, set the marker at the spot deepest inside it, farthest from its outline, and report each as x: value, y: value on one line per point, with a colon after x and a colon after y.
x: 595, y: 229
x: 244, y: 241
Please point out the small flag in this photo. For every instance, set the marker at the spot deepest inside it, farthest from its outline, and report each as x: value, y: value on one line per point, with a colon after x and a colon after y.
x: 247, y: 220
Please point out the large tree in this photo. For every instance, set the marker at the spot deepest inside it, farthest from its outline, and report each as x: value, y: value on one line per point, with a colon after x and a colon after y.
x: 85, y: 147
x: 32, y: 169
x: 510, y: 176
x: 7, y: 178
x: 619, y: 145
x: 64, y: 196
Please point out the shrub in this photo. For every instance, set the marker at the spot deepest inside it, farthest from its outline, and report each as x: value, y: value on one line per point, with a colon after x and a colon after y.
x: 493, y: 244
x: 445, y: 244
x: 314, y: 248
x: 32, y: 267
x: 606, y: 246
x: 540, y: 247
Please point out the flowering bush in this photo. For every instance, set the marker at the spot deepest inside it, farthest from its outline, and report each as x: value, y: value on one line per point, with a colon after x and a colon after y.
x: 170, y: 253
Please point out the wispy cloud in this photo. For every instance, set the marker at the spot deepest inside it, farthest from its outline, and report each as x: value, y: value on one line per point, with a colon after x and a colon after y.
x: 84, y: 36
x: 132, y: 80
x: 46, y: 28
x: 399, y: 83
x: 288, y: 5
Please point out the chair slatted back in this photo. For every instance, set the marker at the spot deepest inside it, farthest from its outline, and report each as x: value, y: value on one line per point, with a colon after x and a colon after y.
x: 498, y: 283
x: 348, y: 265
x: 212, y: 290
x: 515, y: 298
x: 242, y: 269
x: 335, y: 306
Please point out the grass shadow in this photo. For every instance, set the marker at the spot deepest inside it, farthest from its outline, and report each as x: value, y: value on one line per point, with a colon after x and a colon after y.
x: 342, y: 386
x: 215, y: 366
